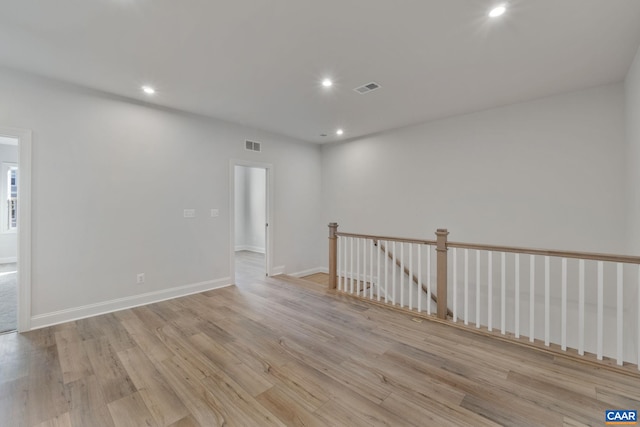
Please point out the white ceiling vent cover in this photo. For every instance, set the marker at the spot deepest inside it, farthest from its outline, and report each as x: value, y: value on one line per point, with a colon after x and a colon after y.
x: 367, y: 88
x: 252, y: 145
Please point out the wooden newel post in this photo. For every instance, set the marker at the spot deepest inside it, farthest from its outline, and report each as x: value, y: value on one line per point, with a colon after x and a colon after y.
x: 333, y: 255
x: 441, y: 249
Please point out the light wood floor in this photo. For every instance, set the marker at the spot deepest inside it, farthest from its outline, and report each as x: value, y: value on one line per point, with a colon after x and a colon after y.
x: 273, y: 352
x: 319, y: 278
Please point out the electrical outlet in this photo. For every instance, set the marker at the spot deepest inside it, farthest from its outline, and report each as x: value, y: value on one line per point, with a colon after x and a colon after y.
x: 189, y: 213
x: 215, y: 213
x: 140, y: 278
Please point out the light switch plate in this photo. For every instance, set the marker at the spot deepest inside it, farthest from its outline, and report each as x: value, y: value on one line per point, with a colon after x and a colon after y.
x: 215, y: 213
x: 189, y: 213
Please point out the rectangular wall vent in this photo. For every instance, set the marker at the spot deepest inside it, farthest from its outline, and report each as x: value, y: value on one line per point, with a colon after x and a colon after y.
x: 252, y: 145
x: 367, y: 88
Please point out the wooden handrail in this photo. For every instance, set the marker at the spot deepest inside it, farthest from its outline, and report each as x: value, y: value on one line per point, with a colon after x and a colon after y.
x: 547, y: 252
x: 413, y: 277
x: 387, y: 239
x: 511, y: 249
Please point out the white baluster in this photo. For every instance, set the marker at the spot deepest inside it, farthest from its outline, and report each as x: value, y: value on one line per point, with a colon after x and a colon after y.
x: 466, y: 286
x: 363, y: 272
x: 371, y: 270
x: 411, y: 276
x: 351, y: 260
x: 420, y: 278
x: 455, y: 284
x: 600, y: 308
x: 620, y: 309
x: 547, y: 299
x: 386, y: 272
x: 393, y: 278
x: 366, y: 263
x: 378, y: 267
x: 364, y: 267
x: 563, y: 341
x: 428, y: 279
x: 401, y: 274
x: 363, y: 276
x: 532, y: 296
x: 517, y: 301
x: 477, y: 289
x: 358, y: 266
x: 503, y: 293
x: 339, y: 256
x: 344, y: 266
x: 490, y: 291
x: 581, y: 307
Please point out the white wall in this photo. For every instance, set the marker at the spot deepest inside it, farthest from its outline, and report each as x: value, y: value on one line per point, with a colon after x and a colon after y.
x: 548, y: 173
x: 111, y: 179
x: 8, y: 241
x: 632, y: 98
x: 250, y: 212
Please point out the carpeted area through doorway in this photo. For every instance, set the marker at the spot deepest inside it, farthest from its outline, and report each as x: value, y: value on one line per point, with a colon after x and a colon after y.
x: 8, y: 297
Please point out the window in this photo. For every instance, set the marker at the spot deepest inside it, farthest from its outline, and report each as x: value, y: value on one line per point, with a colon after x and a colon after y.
x: 9, y: 208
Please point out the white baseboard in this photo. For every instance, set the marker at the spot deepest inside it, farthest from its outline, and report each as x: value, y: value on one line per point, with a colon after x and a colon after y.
x: 277, y: 270
x: 90, y: 310
x: 310, y: 271
x: 250, y: 249
x: 8, y: 260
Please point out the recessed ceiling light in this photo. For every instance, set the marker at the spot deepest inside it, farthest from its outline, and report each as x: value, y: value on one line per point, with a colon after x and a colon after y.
x: 339, y: 132
x: 327, y: 83
x: 148, y: 90
x: 498, y: 11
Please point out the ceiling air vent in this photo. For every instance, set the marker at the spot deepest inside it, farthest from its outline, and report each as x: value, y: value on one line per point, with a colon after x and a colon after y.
x: 367, y: 88
x: 252, y: 145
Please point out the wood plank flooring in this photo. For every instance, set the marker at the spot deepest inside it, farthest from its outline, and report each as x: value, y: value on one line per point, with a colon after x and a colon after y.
x: 280, y: 351
x: 319, y: 278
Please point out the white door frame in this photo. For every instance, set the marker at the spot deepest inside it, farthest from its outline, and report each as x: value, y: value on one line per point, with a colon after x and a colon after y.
x: 24, y: 224
x: 269, y: 214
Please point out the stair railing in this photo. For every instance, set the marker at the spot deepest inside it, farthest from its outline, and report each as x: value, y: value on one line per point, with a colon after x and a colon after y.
x: 554, y: 299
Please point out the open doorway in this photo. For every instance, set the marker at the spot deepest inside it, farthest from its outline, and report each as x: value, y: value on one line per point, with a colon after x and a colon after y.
x: 16, y: 218
x: 250, y: 222
x: 8, y: 234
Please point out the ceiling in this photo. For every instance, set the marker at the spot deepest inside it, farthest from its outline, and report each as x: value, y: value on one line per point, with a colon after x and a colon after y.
x: 260, y: 62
